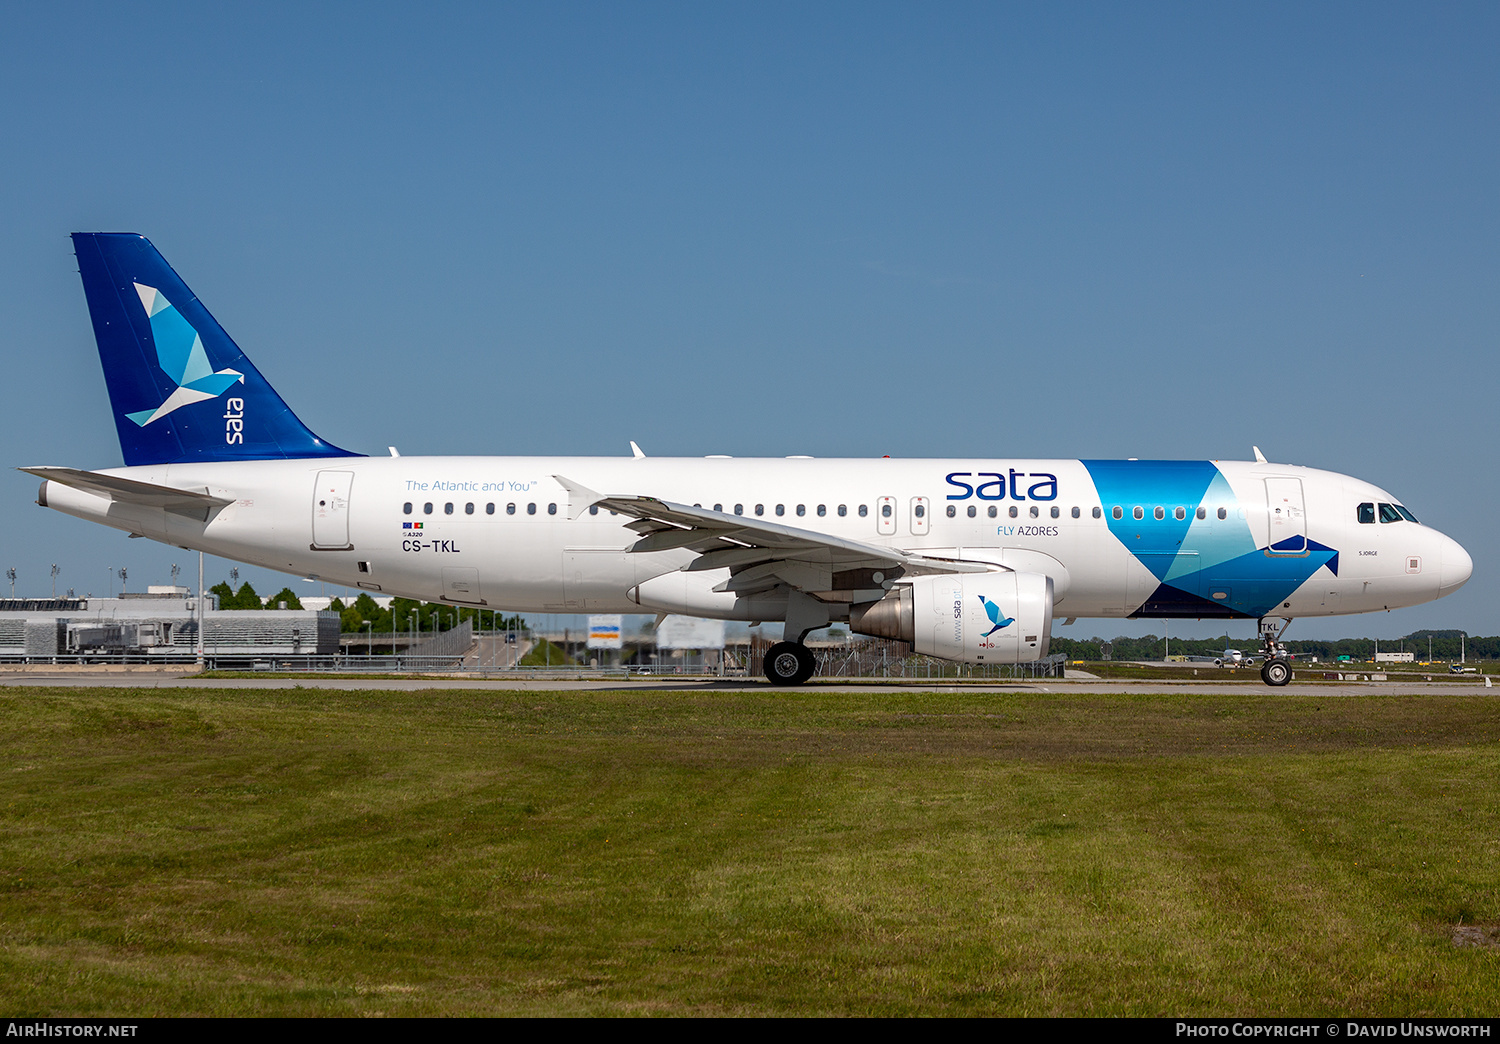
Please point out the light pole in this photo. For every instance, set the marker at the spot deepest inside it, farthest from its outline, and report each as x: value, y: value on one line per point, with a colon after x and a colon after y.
x: 370, y: 639
x: 10, y: 574
x: 55, y: 571
x: 200, y: 610
x: 124, y: 575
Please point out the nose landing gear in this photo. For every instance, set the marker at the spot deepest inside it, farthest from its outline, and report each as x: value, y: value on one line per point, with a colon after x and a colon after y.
x: 1276, y: 670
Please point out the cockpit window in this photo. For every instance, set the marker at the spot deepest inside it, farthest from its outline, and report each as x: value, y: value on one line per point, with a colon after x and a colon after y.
x: 1406, y: 514
x: 1388, y: 513
x: 1366, y: 514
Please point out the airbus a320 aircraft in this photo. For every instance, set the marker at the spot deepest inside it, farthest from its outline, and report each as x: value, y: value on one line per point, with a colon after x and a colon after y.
x: 965, y: 559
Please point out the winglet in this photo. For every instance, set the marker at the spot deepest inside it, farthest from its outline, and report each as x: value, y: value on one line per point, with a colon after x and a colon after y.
x: 580, y: 497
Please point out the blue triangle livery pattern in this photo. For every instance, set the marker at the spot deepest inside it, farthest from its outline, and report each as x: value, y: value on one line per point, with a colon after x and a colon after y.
x: 1205, y: 567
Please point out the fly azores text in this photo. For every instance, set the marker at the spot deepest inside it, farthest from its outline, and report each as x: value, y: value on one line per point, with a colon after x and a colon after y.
x: 992, y: 485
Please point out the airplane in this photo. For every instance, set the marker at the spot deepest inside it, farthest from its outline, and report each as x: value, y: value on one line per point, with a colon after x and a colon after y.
x: 968, y: 559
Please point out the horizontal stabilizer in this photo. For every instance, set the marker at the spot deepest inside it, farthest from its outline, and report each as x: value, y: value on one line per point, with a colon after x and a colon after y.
x: 132, y: 491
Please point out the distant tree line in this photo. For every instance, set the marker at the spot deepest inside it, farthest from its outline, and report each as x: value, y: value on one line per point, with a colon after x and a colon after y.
x: 408, y: 614
x: 404, y: 614
x: 246, y: 598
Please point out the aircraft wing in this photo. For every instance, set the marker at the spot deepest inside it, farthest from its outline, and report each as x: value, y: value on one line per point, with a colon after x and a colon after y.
x: 761, y: 554
x: 132, y: 491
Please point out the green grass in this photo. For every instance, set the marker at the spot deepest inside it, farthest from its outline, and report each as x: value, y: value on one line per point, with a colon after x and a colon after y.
x: 298, y: 852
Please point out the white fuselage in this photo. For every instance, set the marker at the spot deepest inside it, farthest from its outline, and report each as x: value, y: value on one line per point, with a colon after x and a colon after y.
x: 501, y: 531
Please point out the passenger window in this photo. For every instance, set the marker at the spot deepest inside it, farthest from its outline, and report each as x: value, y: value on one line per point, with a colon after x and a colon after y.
x: 920, y: 511
x: 1079, y: 514
x: 843, y: 511
x: 885, y: 511
x: 780, y: 509
x: 489, y: 509
x: 1035, y: 511
x: 593, y: 509
x: 406, y: 508
x: 1180, y: 514
x: 469, y: 508
x: 551, y: 509
x: 1223, y: 514
x: 801, y: 510
x: 531, y: 508
x: 510, y: 509
x: 1099, y: 512
x: 822, y: 510
x: 1138, y: 513
x: 974, y: 511
x: 1057, y: 511
x: 1014, y: 511
x: 1202, y: 512
x: 864, y: 510
x: 952, y: 511
x: 718, y: 507
x: 739, y: 509
x: 1116, y: 512
x: 1160, y: 513
x: 760, y: 509
x: 448, y: 508
x: 994, y: 512
x: 427, y: 508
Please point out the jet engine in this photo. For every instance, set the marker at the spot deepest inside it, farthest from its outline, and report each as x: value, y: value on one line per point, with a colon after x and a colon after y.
x: 999, y: 617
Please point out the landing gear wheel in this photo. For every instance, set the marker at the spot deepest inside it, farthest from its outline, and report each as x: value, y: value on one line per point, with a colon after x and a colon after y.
x: 789, y: 663
x: 1275, y: 672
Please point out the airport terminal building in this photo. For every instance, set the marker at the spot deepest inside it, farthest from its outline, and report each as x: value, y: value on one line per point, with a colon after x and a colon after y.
x: 160, y: 624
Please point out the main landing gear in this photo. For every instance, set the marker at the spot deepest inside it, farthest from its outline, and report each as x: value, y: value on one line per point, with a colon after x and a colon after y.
x: 1277, y: 668
x: 790, y: 663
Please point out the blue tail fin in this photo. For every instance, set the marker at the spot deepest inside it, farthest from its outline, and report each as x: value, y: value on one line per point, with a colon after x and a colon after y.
x: 181, y: 390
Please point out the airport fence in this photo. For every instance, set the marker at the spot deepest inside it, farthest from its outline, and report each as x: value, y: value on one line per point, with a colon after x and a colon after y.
x: 454, y: 652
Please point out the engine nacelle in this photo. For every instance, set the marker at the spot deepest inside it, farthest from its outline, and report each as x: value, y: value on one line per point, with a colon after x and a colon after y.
x: 970, y: 617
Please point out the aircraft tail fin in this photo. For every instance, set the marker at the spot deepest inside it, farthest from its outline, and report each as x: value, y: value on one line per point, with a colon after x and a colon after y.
x: 180, y: 388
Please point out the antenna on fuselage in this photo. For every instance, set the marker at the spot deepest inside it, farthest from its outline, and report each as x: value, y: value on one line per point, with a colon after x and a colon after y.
x: 1260, y: 458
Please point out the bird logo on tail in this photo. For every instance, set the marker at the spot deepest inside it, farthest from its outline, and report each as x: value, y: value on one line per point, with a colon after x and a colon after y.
x: 996, y: 617
x: 179, y: 352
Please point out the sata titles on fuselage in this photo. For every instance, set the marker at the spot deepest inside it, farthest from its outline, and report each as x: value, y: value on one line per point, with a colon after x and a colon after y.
x: 992, y: 485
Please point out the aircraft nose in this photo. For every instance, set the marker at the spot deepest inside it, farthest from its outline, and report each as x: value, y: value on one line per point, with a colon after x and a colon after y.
x: 1456, y: 569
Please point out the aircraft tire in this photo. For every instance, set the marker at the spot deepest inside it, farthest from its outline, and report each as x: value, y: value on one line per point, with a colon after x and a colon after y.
x: 789, y: 663
x: 1276, y: 672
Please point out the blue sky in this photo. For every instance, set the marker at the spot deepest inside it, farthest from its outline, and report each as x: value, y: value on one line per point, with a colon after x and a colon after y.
x: 1154, y: 230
